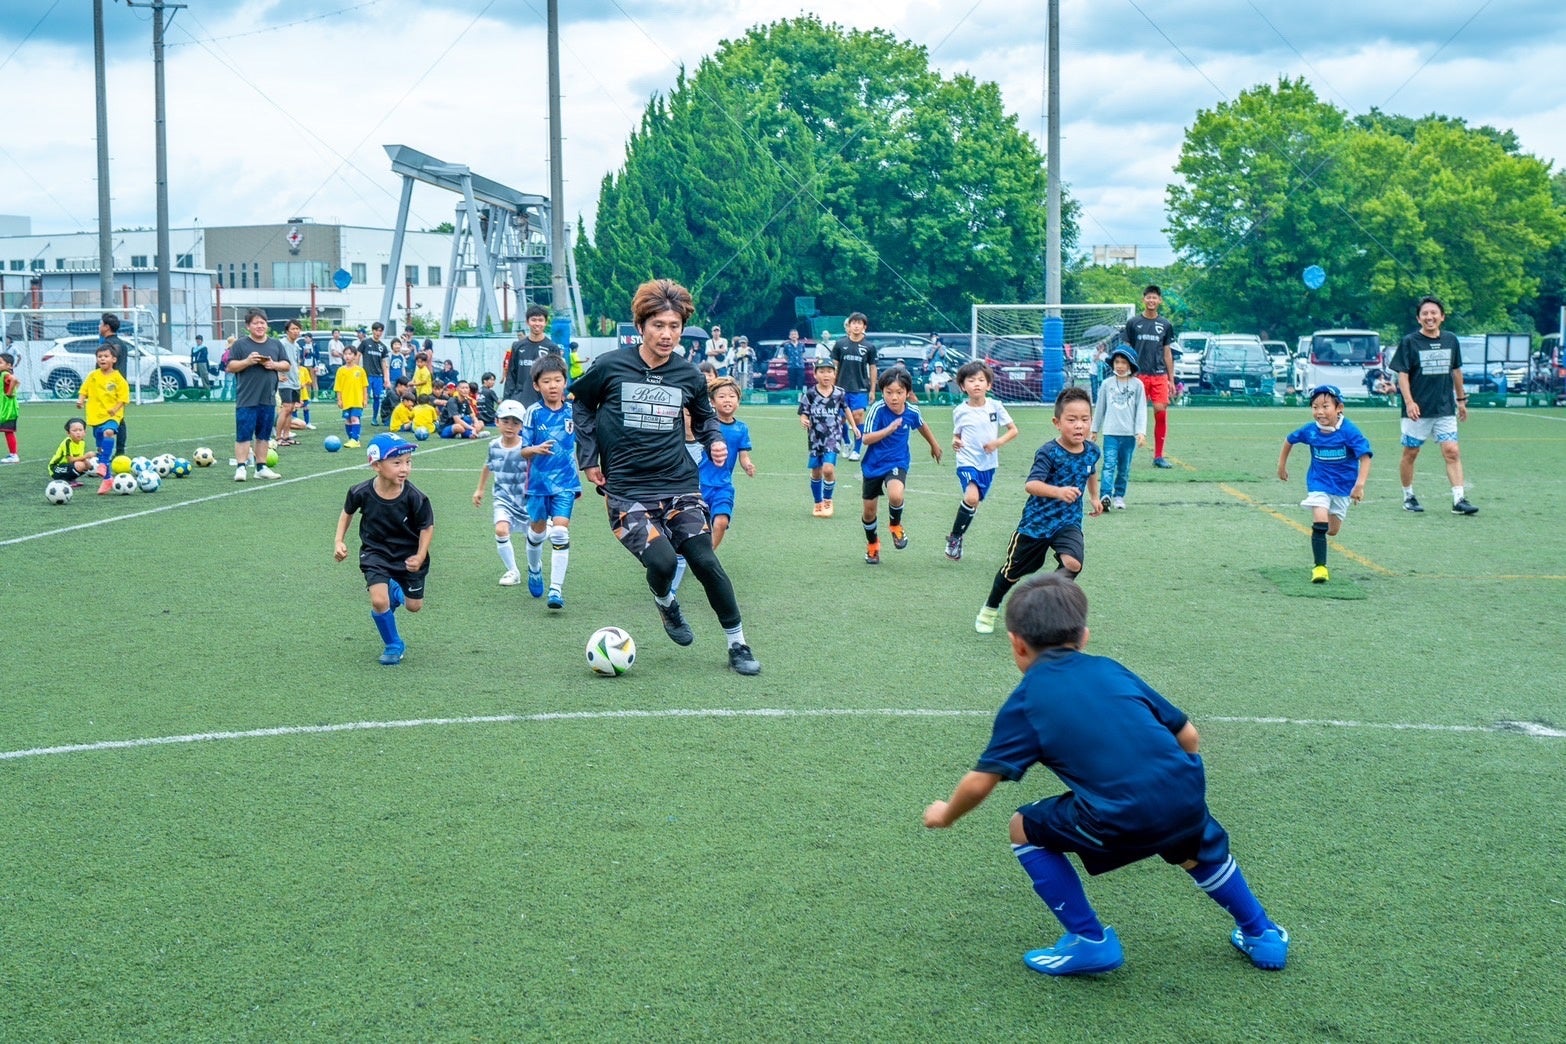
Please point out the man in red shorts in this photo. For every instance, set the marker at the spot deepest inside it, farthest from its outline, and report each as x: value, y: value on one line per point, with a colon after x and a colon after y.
x: 1150, y: 337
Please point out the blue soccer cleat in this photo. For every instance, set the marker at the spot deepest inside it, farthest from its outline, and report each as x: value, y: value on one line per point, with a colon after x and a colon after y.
x: 556, y: 599
x: 1268, y: 951
x: 535, y: 583
x: 392, y: 656
x: 1074, y: 955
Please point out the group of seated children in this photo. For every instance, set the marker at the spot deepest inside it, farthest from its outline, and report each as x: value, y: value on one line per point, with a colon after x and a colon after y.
x: 455, y: 411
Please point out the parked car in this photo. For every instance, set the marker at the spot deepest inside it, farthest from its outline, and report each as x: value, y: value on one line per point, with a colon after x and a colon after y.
x: 774, y: 376
x: 68, y: 361
x: 1018, y: 364
x: 911, y: 350
x: 1282, y: 359
x: 1237, y: 364
x: 1188, y: 350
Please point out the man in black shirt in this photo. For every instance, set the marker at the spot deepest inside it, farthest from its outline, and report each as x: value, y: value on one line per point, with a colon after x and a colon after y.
x: 109, y: 334
x: 856, y: 373
x: 1149, y: 337
x: 524, y: 353
x: 629, y: 410
x: 1429, y: 368
x: 372, y: 351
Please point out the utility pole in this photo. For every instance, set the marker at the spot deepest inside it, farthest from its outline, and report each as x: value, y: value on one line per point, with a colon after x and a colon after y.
x: 1052, y: 178
x: 161, y: 147
x: 105, y: 229
x: 559, y: 292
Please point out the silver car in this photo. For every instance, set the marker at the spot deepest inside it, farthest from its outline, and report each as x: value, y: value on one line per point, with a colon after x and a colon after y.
x: 67, y: 362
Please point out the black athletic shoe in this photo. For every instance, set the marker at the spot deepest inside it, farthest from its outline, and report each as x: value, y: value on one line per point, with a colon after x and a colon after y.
x: 1462, y: 507
x: 1159, y: 462
x: 1411, y: 503
x: 743, y: 661
x: 674, y: 624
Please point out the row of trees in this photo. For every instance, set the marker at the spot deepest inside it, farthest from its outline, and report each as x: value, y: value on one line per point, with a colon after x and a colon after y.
x: 807, y: 159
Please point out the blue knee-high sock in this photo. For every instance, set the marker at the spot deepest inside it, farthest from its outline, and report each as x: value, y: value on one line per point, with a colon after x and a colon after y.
x: 1061, y: 889
x: 827, y: 489
x: 386, y: 624
x: 1226, y: 886
x: 815, y: 491
x: 394, y: 591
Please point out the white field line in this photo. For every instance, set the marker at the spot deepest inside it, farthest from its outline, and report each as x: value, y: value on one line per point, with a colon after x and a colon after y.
x: 1518, y: 727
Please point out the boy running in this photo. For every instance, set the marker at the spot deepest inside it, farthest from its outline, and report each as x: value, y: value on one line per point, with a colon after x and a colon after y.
x: 104, y: 394
x: 549, y: 443
x: 823, y: 413
x: 717, y: 480
x: 977, y: 438
x: 1339, y: 466
x: 887, y: 429
x: 509, y: 468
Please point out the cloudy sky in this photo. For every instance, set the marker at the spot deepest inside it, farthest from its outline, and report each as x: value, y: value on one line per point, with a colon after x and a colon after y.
x: 279, y: 108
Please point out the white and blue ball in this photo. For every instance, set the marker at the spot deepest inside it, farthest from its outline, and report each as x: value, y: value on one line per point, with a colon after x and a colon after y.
x: 163, y: 464
x: 421, y: 433
x: 610, y: 652
x: 140, y: 464
x: 181, y: 467
x: 148, y: 481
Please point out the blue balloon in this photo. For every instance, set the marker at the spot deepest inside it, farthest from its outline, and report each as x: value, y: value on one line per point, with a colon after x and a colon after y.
x: 1315, y: 277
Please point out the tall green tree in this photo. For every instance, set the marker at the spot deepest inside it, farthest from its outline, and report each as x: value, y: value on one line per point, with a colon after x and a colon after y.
x: 803, y: 158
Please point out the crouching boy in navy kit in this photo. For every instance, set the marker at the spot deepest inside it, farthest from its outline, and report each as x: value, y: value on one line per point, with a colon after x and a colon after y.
x: 396, y: 524
x: 1137, y: 786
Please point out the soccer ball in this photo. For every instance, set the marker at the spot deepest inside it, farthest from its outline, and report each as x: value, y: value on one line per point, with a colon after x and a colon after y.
x: 58, y: 492
x: 163, y: 463
x: 149, y: 481
x: 181, y: 467
x: 125, y: 483
x: 610, y: 652
x: 203, y: 457
x: 271, y: 458
x: 120, y: 465
x: 331, y: 444
x: 139, y: 464
x: 421, y: 433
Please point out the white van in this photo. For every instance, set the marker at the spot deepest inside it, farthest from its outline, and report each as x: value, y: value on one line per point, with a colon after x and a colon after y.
x: 1340, y: 357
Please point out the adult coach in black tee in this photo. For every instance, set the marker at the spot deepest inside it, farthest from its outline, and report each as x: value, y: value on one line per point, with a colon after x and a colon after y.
x: 1429, y: 369
x: 629, y: 411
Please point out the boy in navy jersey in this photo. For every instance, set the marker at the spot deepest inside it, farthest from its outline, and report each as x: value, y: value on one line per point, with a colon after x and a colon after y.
x: 396, y: 525
x: 887, y: 428
x: 1339, y: 466
x: 1137, y: 787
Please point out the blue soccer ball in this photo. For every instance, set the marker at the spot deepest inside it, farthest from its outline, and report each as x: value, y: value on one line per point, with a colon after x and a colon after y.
x: 332, y: 444
x: 421, y: 433
x: 181, y: 467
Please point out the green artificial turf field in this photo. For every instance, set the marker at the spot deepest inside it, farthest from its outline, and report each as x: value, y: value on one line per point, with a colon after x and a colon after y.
x: 223, y: 820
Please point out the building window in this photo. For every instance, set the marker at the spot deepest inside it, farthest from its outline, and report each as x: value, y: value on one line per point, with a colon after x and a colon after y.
x: 298, y: 275
x: 138, y: 260
x: 434, y: 274
x: 410, y: 273
x: 59, y: 264
x: 37, y: 264
x: 18, y: 265
x: 359, y: 272
x: 185, y: 261
x: 383, y: 275
x: 462, y: 277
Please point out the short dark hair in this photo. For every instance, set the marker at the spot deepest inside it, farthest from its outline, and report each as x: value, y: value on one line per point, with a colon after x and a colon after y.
x: 110, y: 320
x: 10, y: 360
x: 973, y: 366
x: 253, y: 313
x: 857, y: 317
x: 1152, y: 288
x: 549, y: 362
x: 199, y: 337
x: 293, y: 322
x: 1073, y: 394
x: 1427, y: 299
x: 377, y: 325
x: 533, y: 310
x: 894, y: 375
x: 75, y: 420
x: 106, y: 347
x: 1047, y: 610
x: 488, y: 376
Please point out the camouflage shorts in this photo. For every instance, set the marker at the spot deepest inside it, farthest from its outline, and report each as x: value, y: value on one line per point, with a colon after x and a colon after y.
x: 637, y: 523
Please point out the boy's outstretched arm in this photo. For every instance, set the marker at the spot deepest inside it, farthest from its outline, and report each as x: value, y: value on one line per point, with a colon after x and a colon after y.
x: 971, y: 791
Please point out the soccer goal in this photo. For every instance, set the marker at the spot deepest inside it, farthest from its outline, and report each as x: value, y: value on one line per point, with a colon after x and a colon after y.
x: 55, y: 349
x: 1036, y: 350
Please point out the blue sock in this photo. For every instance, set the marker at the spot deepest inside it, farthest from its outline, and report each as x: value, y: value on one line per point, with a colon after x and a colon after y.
x: 827, y: 489
x: 815, y: 491
x: 859, y: 445
x: 394, y: 589
x: 1226, y: 886
x: 386, y: 624
x: 1061, y: 889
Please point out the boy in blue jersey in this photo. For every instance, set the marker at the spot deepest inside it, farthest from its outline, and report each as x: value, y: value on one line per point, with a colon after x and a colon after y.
x: 509, y: 468
x: 1339, y: 465
x: 717, y: 480
x: 1063, y: 471
x: 1137, y: 785
x: 549, y: 443
x: 886, y: 431
x: 396, y: 526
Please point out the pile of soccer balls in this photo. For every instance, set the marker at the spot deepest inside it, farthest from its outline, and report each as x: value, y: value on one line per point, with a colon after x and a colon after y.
x: 610, y: 652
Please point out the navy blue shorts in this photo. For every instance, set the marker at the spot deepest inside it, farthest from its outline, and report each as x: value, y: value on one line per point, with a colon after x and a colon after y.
x: 873, y: 487
x: 1052, y: 824
x: 254, y: 423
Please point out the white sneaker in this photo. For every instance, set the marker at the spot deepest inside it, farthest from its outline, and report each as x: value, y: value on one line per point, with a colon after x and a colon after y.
x: 510, y: 578
x: 267, y: 473
x: 852, y: 455
x: 239, y: 474
x: 271, y: 443
x: 12, y: 459
x: 233, y: 462
x: 309, y: 427
x: 1120, y: 503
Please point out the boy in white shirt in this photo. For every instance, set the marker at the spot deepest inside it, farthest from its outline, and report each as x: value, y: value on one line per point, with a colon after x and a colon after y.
x: 977, y: 438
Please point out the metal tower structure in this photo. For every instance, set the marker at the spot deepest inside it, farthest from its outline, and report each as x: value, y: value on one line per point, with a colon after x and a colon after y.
x: 495, y: 229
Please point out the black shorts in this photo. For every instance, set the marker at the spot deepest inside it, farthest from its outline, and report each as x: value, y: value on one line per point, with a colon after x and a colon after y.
x: 1026, y: 555
x: 8, y: 425
x: 378, y: 569
x: 1052, y: 824
x: 874, y: 487
x: 288, y: 396
x: 637, y: 523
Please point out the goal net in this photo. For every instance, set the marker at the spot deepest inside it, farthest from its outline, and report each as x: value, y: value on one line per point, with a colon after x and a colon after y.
x: 1036, y: 350
x: 55, y: 349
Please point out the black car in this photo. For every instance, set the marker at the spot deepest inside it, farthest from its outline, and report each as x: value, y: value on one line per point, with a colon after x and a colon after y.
x: 1237, y: 367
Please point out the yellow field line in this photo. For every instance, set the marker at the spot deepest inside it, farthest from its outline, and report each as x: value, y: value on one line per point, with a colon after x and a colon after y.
x: 1295, y: 524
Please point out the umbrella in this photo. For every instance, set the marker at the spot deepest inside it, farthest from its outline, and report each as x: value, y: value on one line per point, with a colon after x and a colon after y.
x: 694, y: 333
x: 1099, y: 332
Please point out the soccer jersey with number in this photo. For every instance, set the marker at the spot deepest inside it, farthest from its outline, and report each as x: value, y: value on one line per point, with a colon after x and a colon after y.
x: 975, y: 426
x: 891, y: 452
x: 554, y: 472
x: 1055, y: 465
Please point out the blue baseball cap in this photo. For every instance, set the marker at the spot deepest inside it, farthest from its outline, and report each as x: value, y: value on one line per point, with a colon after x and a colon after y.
x: 1327, y: 389
x: 385, y: 446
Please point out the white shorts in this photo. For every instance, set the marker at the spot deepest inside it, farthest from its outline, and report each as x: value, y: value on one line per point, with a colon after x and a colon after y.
x: 1417, y: 432
x: 513, y: 517
x: 1335, y: 505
